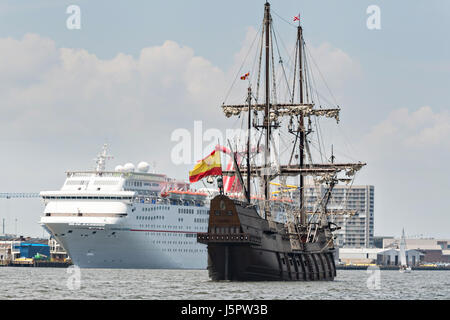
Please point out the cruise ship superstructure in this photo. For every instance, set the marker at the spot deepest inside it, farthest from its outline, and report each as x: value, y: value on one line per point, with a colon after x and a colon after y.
x: 127, y: 218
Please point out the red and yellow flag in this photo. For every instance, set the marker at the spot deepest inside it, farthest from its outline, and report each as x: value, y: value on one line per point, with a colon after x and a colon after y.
x: 209, y: 166
x: 245, y: 76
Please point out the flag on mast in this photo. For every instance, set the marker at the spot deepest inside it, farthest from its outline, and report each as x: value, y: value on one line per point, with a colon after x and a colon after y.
x: 209, y: 166
x: 297, y: 18
x: 245, y: 76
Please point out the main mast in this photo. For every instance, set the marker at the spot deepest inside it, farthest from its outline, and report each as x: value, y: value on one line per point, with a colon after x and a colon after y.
x: 301, y: 130
x: 267, y: 107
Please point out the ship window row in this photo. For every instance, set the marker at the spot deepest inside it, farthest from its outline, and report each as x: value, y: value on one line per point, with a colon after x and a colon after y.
x: 167, y: 227
x: 158, y: 208
x: 201, y: 220
x: 140, y: 184
x: 202, y: 211
x: 184, y: 250
x: 85, y: 198
x: 133, y: 183
x: 173, y: 242
x: 149, y: 217
x: 178, y: 228
x: 163, y: 234
x: 225, y: 230
x: 187, y: 211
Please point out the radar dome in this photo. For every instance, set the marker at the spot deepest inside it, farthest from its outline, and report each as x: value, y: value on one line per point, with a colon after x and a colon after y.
x: 118, y: 168
x: 143, y: 166
x: 128, y: 167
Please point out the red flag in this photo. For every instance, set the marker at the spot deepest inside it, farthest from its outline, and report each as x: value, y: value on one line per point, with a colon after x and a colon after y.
x: 245, y: 76
x: 297, y: 18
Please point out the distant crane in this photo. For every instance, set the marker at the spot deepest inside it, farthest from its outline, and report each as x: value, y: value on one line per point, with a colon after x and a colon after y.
x: 16, y: 195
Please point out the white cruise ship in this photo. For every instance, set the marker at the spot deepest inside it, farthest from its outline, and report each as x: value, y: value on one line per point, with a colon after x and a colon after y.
x: 127, y: 218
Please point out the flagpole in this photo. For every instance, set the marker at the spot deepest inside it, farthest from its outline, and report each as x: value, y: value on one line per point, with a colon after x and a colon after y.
x: 220, y: 182
x: 249, y: 100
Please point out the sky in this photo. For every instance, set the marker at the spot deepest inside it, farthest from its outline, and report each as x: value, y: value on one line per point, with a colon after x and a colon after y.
x: 134, y: 72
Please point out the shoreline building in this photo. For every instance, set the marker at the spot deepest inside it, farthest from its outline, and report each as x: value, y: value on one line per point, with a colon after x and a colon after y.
x: 14, y: 248
x: 434, y: 250
x: 357, y: 229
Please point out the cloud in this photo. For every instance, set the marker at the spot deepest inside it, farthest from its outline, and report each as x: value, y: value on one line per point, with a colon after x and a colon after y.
x: 48, y: 91
x: 68, y: 95
x: 407, y: 155
x: 334, y: 64
x: 325, y: 62
x: 422, y: 128
x: 24, y: 61
x: 59, y: 105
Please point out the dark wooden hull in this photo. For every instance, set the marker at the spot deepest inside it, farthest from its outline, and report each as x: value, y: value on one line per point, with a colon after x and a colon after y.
x: 247, y: 263
x: 242, y: 246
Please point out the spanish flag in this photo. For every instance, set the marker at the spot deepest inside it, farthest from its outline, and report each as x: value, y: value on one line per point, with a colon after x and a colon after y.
x: 209, y: 166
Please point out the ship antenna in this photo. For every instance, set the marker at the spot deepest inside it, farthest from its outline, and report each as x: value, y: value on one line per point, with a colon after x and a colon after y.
x: 101, y: 159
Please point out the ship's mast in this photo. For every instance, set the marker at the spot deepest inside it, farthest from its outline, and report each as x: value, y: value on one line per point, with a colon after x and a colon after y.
x: 301, y: 130
x: 327, y: 172
x: 267, y: 106
x: 249, y: 100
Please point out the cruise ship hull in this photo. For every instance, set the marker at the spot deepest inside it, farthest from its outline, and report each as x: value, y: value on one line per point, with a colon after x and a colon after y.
x: 127, y: 248
x: 112, y: 246
x: 127, y: 233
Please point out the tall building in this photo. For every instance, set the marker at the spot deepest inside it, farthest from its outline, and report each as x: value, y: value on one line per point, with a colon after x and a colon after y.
x: 356, y: 230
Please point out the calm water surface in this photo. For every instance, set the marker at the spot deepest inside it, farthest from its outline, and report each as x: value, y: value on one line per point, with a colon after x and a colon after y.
x: 59, y: 283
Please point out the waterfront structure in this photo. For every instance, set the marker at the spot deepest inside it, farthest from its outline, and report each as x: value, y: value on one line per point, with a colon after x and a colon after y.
x: 30, y: 250
x: 358, y: 255
x: 5, y: 252
x: 392, y: 257
x: 57, y: 252
x: 13, y: 248
x: 357, y: 229
x: 378, y: 241
x: 434, y: 250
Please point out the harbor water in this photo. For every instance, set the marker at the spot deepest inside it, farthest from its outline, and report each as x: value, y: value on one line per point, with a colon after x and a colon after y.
x: 75, y: 283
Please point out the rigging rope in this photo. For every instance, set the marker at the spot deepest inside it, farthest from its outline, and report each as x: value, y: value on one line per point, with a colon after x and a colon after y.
x: 323, y: 79
x: 240, y: 68
x: 281, y: 62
